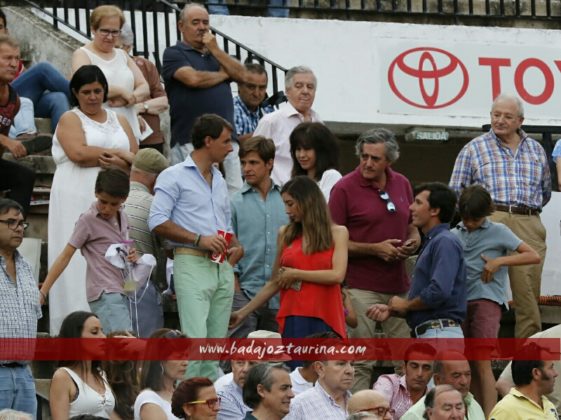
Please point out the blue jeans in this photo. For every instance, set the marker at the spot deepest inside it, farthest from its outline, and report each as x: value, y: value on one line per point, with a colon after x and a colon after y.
x: 446, y: 332
x: 48, y: 90
x: 17, y: 390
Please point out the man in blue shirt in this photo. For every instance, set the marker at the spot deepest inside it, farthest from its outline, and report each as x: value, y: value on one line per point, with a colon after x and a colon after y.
x: 190, y: 206
x: 436, y: 305
x: 257, y: 215
x: 247, y: 105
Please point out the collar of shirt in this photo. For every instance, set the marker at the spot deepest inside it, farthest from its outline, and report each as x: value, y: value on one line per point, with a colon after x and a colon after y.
x: 120, y: 212
x: 190, y: 163
x: 248, y: 188
x: 17, y: 258
x: 519, y: 394
x: 328, y: 397
x: 485, y: 225
x: 289, y: 111
x: 521, y: 133
x: 246, y: 110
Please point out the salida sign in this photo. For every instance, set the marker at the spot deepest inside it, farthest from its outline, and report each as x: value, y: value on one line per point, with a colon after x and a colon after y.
x: 466, y: 78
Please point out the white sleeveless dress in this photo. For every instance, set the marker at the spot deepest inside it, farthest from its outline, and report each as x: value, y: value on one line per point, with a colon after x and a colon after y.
x: 88, y: 400
x: 118, y: 73
x: 72, y: 193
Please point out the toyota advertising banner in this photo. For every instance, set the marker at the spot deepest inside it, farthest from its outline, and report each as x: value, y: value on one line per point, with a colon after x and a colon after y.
x: 448, y: 79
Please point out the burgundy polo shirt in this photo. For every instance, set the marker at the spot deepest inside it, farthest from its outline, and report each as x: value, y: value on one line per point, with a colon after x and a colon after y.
x: 93, y: 235
x: 356, y: 204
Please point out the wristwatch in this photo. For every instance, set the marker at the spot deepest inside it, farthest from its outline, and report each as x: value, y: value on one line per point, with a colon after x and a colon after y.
x: 145, y: 107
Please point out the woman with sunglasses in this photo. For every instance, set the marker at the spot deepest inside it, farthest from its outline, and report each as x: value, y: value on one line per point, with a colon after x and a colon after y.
x: 127, y: 85
x: 195, y: 399
x: 310, y: 266
x: 81, y: 387
x: 315, y: 153
x: 158, y: 379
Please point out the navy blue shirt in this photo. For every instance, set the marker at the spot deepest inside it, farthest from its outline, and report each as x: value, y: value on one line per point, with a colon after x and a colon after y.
x: 439, y: 278
x: 186, y: 103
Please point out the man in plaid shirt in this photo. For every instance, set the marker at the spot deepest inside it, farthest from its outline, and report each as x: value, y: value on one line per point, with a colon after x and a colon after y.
x: 514, y: 169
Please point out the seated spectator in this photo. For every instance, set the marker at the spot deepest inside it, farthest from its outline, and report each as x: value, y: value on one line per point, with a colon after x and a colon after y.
x: 195, y: 399
x: 232, y: 406
x: 489, y: 249
x: 450, y: 372
x: 267, y: 390
x: 329, y: 396
x: 505, y: 382
x: 127, y: 85
x: 315, y: 153
x: 443, y: 402
x: 533, y: 373
x: 248, y: 109
x: 404, y: 391
x: 370, y: 402
x: 97, y: 229
x: 72, y: 384
x: 158, y: 383
x: 157, y: 103
x: 46, y: 92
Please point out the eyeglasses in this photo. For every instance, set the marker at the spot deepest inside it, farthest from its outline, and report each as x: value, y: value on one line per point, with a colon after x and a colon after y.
x: 380, y: 411
x: 14, y: 224
x: 390, y: 206
x: 212, y: 403
x: 113, y: 32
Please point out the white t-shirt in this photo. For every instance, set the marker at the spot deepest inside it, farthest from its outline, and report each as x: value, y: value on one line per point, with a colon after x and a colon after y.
x: 299, y: 384
x: 150, y: 397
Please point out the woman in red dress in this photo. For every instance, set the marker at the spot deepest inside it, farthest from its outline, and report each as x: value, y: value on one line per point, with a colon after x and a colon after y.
x: 310, y: 266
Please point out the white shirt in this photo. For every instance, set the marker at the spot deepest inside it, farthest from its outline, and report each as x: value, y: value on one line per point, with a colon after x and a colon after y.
x: 299, y: 384
x: 150, y: 397
x: 327, y: 181
x: 278, y: 126
x: 222, y: 381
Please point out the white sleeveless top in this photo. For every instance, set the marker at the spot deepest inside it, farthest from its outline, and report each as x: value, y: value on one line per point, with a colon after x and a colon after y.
x: 118, y: 73
x: 88, y: 400
x: 150, y: 397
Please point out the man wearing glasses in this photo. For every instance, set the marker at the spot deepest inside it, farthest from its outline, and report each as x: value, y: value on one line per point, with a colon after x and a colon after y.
x: 373, y: 203
x: 370, y: 402
x: 19, y: 311
x: 437, y: 302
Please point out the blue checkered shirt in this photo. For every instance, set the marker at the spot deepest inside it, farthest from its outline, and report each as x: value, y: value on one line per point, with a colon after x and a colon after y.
x: 246, y: 120
x: 512, y: 178
x: 19, y: 306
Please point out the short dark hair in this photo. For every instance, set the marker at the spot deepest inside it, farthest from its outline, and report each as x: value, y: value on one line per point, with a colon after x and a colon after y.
x: 87, y: 74
x: 440, y: 197
x: 261, y: 373
x: 527, y: 360
x: 316, y: 136
x: 208, y: 125
x: 114, y: 182
x: 263, y: 146
x: 7, y: 204
x: 475, y: 202
x: 422, y: 348
x: 255, y: 68
x: 185, y: 392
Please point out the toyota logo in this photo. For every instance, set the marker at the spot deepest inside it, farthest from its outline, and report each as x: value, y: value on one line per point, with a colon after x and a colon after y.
x: 417, y: 76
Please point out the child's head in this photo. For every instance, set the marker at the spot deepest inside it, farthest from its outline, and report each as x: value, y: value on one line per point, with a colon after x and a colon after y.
x: 111, y: 189
x: 475, y: 205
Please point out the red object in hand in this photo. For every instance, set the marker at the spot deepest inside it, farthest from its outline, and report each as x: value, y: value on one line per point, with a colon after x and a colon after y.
x: 220, y: 257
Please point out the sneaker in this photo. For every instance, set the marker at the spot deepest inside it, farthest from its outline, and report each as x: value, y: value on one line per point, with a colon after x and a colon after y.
x: 36, y: 143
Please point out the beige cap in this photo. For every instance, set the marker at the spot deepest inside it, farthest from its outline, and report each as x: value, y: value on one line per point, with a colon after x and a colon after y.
x: 150, y: 160
x: 263, y: 334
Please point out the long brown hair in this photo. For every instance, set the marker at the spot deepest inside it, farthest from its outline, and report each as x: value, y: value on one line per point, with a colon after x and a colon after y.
x: 315, y: 224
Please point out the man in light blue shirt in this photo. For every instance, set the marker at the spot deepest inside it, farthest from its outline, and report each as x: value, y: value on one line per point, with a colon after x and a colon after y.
x: 257, y: 215
x: 190, y: 206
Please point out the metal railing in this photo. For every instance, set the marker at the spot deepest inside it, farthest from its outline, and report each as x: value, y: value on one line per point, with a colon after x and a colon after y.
x: 526, y: 9
x: 154, y: 23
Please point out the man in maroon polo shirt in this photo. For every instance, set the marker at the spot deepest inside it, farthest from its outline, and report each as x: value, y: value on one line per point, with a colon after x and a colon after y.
x: 373, y: 203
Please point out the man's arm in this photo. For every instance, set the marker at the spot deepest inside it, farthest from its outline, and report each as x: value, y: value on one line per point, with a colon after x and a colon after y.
x: 235, y: 70
x: 524, y: 255
x: 200, y: 79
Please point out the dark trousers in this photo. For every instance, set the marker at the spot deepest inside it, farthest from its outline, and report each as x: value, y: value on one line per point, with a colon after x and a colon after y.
x: 17, y: 181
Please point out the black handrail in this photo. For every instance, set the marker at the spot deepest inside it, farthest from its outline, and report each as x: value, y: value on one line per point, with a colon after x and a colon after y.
x: 138, y: 12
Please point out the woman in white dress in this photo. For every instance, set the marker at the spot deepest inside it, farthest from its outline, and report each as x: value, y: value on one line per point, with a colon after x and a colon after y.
x: 80, y: 387
x: 158, y: 380
x: 87, y: 138
x: 315, y: 153
x: 127, y: 85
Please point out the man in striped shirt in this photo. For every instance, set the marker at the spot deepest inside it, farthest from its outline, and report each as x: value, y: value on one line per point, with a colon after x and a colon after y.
x: 514, y: 169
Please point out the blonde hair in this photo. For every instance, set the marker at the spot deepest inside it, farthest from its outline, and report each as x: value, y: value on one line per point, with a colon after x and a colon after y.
x: 315, y: 224
x: 106, y: 11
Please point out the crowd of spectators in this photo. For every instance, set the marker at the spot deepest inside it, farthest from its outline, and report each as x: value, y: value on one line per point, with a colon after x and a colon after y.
x: 264, y: 236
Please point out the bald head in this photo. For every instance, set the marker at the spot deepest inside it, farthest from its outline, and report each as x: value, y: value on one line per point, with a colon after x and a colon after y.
x: 366, y: 400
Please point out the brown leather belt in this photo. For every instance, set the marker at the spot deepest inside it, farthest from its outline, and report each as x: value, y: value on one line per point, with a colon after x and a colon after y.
x: 192, y: 251
x: 525, y: 210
